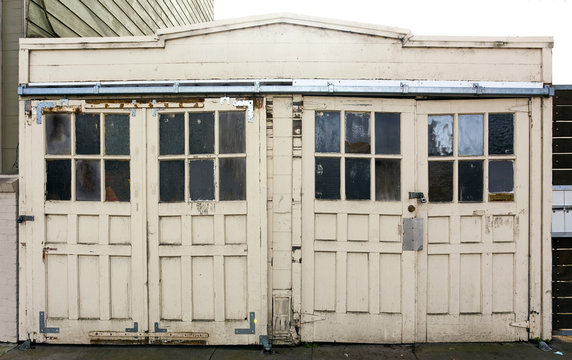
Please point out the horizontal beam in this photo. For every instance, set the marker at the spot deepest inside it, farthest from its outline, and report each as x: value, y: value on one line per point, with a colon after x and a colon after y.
x: 285, y: 86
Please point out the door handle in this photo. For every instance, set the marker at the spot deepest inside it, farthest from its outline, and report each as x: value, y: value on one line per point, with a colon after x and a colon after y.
x: 419, y: 196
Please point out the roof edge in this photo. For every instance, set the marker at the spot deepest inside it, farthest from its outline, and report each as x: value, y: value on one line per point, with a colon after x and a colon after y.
x: 481, y: 41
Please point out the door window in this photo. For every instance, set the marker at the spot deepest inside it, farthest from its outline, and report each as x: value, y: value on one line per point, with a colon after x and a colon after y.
x: 459, y: 161
x: 196, y: 165
x: 75, y: 155
x: 371, y: 153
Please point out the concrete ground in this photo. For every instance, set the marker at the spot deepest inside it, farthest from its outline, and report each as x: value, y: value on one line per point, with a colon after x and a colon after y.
x: 445, y: 351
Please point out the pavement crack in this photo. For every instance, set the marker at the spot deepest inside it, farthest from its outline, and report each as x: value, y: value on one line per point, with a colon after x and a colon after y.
x: 212, y: 354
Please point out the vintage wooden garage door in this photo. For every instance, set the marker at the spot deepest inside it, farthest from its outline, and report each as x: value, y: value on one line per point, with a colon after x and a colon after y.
x: 361, y: 281
x: 147, y: 223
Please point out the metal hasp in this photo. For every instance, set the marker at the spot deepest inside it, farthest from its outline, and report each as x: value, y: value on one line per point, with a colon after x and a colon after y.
x: 419, y: 196
x: 412, y: 234
x: 22, y: 218
x: 263, y: 339
x: 157, y: 329
x: 252, y: 328
x: 134, y: 329
x: 44, y: 329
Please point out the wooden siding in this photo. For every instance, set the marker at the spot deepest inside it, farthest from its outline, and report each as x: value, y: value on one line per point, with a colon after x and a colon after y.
x: 280, y: 50
x: 562, y: 138
x: 72, y: 18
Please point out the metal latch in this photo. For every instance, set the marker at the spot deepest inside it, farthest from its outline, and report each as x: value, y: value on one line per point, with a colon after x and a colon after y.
x: 419, y: 196
x: 20, y: 219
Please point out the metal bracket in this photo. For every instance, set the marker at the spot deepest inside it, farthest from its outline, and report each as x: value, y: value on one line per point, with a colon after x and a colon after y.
x: 404, y: 88
x: 478, y: 88
x: 330, y: 86
x: 135, y: 328
x: 224, y: 99
x: 40, y: 108
x: 134, y: 110
x: 249, y: 104
x: 155, y: 109
x: 44, y: 329
x: 263, y: 340
x: 22, y: 218
x: 250, y: 330
x: 157, y: 329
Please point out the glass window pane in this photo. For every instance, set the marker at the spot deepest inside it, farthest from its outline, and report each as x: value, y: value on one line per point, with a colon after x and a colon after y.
x: 357, y: 133
x: 501, y: 134
x: 232, y: 174
x: 327, y: 178
x: 231, y: 132
x: 171, y: 134
x: 387, y: 133
x: 87, y: 180
x: 387, y: 179
x: 58, y: 180
x: 471, y: 134
x: 87, y: 134
x: 201, y: 180
x: 440, y: 133
x: 117, y: 134
x: 201, y: 133
x: 358, y: 178
x: 501, y: 177
x: 58, y: 130
x: 117, y: 180
x: 171, y: 181
x: 470, y: 181
x: 327, y: 131
x: 440, y: 181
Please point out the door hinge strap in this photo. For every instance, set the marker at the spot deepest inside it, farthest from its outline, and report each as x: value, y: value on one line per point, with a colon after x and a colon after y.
x: 20, y: 219
x: 250, y: 330
x: 521, y: 324
x: 44, y: 329
x: 134, y: 329
x: 157, y: 329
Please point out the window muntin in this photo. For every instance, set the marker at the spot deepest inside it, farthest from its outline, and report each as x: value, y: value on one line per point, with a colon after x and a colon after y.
x: 75, y: 155
x: 209, y: 161
x: 458, y: 168
x: 370, y: 155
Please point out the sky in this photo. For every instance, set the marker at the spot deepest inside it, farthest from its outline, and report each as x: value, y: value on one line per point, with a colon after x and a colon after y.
x: 438, y: 17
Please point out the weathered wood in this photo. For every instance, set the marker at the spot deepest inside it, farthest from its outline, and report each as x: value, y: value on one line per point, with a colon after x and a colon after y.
x: 562, y: 129
x: 561, y: 321
x: 561, y: 289
x: 562, y: 97
x: 562, y: 177
x: 562, y: 257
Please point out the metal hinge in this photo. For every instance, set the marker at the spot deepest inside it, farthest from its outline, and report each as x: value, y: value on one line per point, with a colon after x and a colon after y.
x: 521, y: 324
x: 250, y: 330
x: 20, y: 219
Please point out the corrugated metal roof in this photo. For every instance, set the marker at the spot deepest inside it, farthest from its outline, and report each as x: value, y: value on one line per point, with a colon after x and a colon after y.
x: 95, y: 18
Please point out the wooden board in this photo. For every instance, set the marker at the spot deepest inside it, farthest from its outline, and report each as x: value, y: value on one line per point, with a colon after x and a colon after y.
x: 562, y: 129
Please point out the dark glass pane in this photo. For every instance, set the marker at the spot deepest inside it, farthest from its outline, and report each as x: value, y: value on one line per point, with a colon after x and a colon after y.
x: 470, y: 181
x: 171, y: 134
x: 232, y: 174
x: 117, y: 134
x: 357, y: 133
x: 358, y: 178
x: 117, y: 180
x: 87, y: 180
x: 327, y: 178
x: 387, y: 179
x: 471, y: 134
x: 501, y: 176
x: 201, y: 179
x: 87, y: 134
x: 501, y: 134
x: 387, y: 133
x: 440, y: 181
x: 440, y: 135
x: 201, y: 133
x: 327, y: 131
x: 231, y: 132
x: 171, y: 181
x: 58, y: 131
x: 58, y: 180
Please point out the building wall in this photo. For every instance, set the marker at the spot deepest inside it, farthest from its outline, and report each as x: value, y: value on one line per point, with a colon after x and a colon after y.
x: 8, y: 259
x: 12, y: 31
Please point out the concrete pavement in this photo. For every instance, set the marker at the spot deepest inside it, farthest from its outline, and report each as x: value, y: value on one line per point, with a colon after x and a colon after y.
x: 444, y: 351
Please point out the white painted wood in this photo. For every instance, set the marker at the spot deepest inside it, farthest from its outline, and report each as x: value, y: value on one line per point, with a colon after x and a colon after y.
x: 352, y: 250
x: 476, y: 270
